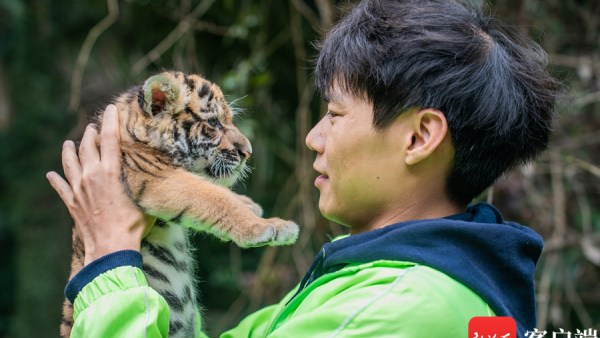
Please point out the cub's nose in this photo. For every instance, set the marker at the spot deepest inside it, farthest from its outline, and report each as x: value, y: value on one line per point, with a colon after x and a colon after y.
x: 244, y: 150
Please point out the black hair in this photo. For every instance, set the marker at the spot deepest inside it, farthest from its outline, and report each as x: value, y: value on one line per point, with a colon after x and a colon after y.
x: 488, y: 79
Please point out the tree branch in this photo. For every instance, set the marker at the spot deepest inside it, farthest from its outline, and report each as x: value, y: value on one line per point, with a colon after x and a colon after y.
x: 326, y: 11
x: 184, y: 26
x: 307, y: 13
x: 584, y: 165
x: 84, y: 52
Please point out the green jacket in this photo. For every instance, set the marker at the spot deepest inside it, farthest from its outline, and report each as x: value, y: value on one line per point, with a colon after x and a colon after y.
x: 421, y: 278
x: 377, y: 299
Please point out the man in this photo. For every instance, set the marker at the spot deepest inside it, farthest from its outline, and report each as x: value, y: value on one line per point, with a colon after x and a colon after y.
x: 429, y: 102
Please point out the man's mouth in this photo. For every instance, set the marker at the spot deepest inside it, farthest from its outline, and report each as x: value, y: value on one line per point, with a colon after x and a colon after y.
x: 320, y: 180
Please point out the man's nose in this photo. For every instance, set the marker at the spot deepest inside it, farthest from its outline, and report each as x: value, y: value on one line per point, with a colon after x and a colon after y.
x: 315, y: 139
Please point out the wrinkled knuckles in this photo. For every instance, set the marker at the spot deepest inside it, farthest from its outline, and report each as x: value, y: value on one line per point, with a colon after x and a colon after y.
x: 71, y: 205
x: 77, y: 194
x: 112, y: 170
x: 89, y: 176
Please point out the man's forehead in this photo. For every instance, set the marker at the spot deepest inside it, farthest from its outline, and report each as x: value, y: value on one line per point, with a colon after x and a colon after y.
x: 336, y: 95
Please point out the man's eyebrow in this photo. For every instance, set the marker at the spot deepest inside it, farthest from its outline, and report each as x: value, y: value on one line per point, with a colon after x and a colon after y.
x: 332, y: 98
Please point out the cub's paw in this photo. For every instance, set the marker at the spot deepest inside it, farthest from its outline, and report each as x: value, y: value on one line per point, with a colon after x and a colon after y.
x: 286, y: 232
x: 272, y: 231
x: 248, y: 202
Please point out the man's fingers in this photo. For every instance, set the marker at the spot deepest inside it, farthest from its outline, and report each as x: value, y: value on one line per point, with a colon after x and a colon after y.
x: 62, y: 188
x: 70, y: 163
x: 109, y: 137
x: 88, y: 149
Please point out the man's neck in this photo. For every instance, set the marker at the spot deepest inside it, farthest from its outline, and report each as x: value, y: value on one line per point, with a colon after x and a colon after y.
x: 409, y: 212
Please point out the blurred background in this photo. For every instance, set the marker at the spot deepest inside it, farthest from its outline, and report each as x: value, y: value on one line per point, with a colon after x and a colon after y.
x: 61, y: 61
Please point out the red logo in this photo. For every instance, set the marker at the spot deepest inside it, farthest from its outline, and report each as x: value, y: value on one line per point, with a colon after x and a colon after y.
x: 492, y: 327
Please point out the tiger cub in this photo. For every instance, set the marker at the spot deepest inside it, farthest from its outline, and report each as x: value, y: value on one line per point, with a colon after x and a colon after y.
x: 180, y: 150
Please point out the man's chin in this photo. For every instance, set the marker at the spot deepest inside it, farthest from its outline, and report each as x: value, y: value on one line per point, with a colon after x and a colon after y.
x: 327, y: 211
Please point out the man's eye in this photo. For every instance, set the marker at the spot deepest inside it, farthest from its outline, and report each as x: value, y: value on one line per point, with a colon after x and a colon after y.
x: 332, y: 114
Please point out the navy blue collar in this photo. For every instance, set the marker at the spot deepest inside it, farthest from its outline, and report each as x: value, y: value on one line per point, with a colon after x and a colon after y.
x: 494, y: 258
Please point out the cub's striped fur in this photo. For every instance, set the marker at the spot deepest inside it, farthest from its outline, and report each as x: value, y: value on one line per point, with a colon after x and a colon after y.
x: 180, y: 150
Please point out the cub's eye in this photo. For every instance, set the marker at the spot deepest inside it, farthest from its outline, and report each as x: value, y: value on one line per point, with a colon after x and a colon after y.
x: 215, y: 123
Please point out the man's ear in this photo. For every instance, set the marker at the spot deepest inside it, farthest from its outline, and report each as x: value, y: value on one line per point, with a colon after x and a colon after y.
x: 428, y: 130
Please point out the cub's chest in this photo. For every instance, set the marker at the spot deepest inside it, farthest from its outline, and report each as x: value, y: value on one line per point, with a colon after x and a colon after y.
x: 168, y: 263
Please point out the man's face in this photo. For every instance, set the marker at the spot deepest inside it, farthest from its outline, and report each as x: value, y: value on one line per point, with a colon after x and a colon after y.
x: 360, y: 169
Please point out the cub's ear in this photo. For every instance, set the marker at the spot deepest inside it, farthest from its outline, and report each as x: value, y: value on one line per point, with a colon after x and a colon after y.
x: 161, y: 94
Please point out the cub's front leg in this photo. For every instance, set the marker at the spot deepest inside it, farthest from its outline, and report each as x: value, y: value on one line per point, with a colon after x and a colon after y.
x: 180, y: 197
x: 250, y: 204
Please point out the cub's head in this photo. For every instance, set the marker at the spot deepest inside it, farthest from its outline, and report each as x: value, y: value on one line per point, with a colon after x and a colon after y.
x: 187, y: 117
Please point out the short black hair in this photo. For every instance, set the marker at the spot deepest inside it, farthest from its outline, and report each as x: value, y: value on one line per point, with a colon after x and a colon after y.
x: 488, y: 79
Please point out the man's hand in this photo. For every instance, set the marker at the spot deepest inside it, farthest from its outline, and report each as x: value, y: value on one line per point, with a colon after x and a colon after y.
x: 105, y: 218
